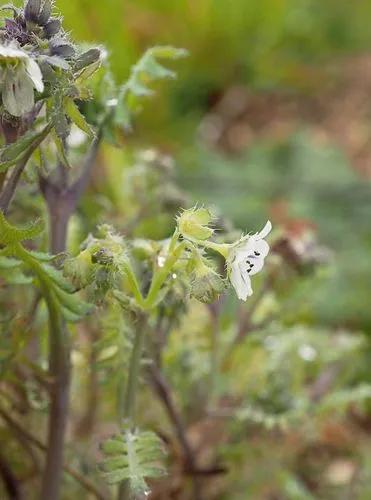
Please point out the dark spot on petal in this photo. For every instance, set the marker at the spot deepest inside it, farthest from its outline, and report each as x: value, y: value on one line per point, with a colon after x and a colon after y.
x: 257, y: 254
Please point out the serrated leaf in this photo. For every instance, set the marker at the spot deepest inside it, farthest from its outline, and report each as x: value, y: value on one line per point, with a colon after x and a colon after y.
x: 9, y: 235
x: 91, y: 56
x: 77, y: 117
x: 87, y: 72
x: 16, y: 151
x: 16, y: 277
x: 61, y: 151
x: 42, y: 256
x: 113, y: 446
x: 72, y: 303
x: 132, y: 456
x: 57, y: 278
x: 9, y: 263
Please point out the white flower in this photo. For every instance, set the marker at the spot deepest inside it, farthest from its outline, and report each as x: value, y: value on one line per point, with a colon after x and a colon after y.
x: 246, y: 258
x: 19, y: 76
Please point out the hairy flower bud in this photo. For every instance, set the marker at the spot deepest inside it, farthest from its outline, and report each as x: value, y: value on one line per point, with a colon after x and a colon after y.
x: 193, y: 224
x: 80, y: 269
x: 103, y: 256
x: 52, y: 27
x: 32, y: 10
x: 45, y: 13
x: 62, y: 48
x: 87, y: 58
x: 207, y: 284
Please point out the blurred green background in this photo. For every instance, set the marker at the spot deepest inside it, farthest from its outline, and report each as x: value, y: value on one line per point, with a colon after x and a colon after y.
x: 270, y: 116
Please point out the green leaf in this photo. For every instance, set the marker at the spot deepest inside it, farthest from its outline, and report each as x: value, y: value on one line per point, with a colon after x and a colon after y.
x: 12, y: 153
x: 133, y: 456
x: 77, y: 117
x: 10, y: 235
x: 72, y: 303
x: 91, y: 56
x: 57, y: 278
x: 9, y: 263
x: 60, y: 150
x: 145, y: 71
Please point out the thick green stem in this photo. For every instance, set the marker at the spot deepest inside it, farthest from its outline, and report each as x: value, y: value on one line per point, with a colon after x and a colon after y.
x: 128, y: 406
x: 161, y: 275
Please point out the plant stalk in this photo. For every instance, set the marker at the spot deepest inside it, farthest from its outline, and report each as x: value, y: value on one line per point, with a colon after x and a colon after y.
x: 127, y: 410
x: 59, y: 367
x: 61, y: 201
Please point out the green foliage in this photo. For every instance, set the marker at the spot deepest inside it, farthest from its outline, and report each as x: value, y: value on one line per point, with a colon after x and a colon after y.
x: 53, y: 285
x: 145, y: 71
x: 11, y: 235
x: 134, y: 456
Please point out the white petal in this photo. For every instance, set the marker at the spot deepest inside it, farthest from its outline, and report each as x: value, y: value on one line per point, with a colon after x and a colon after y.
x: 262, y: 248
x: 265, y: 231
x: 35, y: 74
x: 258, y: 265
x: 240, y: 282
x: 12, y: 52
x: 18, y: 94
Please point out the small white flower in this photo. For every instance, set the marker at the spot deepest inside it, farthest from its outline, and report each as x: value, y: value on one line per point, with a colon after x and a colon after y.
x: 246, y: 258
x: 19, y: 76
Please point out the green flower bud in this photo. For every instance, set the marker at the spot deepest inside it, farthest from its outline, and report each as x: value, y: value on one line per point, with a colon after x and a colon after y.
x: 193, y: 224
x: 80, y: 269
x: 207, y: 284
x: 103, y: 256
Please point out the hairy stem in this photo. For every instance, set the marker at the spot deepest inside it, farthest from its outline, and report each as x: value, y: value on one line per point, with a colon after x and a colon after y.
x: 10, y: 187
x: 61, y: 201
x: 127, y: 411
x: 59, y: 367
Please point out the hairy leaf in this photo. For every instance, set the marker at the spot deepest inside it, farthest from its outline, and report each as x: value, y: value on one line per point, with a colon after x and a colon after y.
x: 133, y: 456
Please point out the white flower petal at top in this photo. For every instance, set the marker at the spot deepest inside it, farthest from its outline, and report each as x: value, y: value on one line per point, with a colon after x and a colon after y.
x: 20, y: 75
x: 245, y: 259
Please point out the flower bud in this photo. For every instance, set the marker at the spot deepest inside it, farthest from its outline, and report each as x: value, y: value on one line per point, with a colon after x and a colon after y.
x: 103, y: 256
x: 193, y: 224
x: 87, y: 58
x: 61, y: 48
x: 207, y: 284
x: 52, y: 27
x: 45, y: 13
x: 32, y: 10
x: 80, y: 269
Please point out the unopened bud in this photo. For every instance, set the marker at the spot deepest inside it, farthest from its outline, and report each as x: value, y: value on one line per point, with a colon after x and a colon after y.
x: 52, y: 28
x: 32, y: 10
x: 61, y: 48
x: 45, y: 13
x: 87, y: 58
x: 79, y: 269
x: 103, y: 256
x: 207, y: 284
x: 193, y: 224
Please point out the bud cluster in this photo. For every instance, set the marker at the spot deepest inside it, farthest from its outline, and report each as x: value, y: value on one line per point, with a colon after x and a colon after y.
x: 99, y: 264
x: 34, y: 49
